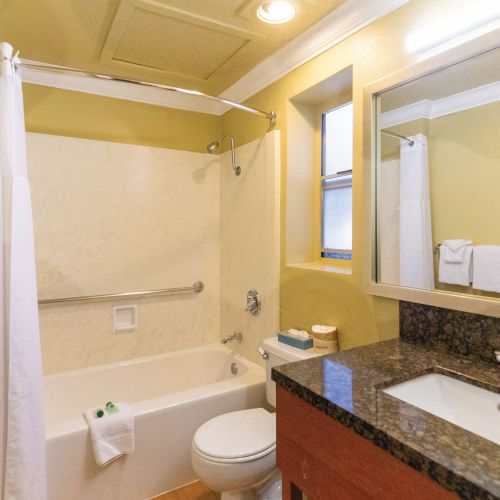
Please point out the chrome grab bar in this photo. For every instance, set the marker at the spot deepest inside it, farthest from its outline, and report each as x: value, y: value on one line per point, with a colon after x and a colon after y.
x: 197, y: 287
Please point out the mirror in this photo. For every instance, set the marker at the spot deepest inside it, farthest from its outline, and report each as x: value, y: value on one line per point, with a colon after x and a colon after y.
x: 437, y: 182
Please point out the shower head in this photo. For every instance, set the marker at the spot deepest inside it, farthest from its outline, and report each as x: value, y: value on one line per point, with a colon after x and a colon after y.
x: 214, y: 147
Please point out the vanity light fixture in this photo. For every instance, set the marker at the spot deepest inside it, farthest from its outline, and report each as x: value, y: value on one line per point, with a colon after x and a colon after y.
x: 475, y: 14
x: 276, y: 12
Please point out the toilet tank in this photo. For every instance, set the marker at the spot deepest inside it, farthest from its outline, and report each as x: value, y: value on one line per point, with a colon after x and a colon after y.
x: 280, y: 354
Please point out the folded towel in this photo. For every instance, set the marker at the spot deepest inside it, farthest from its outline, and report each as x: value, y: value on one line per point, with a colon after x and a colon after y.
x: 112, y: 435
x: 456, y: 273
x: 486, y: 274
x: 454, y: 250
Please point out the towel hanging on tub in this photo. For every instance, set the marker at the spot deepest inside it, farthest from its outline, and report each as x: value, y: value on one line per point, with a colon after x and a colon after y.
x: 111, y: 432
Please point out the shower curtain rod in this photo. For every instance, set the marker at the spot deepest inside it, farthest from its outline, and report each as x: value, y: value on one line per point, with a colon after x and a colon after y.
x: 393, y: 134
x: 271, y: 115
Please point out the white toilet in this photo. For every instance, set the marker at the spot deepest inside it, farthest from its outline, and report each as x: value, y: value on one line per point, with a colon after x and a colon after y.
x: 235, y: 453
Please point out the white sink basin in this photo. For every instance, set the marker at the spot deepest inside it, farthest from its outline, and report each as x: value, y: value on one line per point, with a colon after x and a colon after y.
x: 468, y: 406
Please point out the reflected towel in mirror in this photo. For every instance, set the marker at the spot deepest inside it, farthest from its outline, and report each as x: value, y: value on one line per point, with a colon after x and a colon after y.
x: 486, y: 274
x: 455, y: 273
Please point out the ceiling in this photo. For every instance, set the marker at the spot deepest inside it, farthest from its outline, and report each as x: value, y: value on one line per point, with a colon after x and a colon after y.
x: 201, y: 44
x: 466, y: 75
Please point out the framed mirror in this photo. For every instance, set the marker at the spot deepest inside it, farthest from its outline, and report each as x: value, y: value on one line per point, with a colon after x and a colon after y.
x: 434, y: 183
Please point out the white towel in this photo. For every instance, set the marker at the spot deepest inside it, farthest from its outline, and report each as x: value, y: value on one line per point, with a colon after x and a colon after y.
x: 486, y: 274
x: 454, y: 250
x: 456, y: 273
x: 113, y: 434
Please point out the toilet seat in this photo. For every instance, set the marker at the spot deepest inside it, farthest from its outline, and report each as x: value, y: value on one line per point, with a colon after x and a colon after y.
x: 235, y: 437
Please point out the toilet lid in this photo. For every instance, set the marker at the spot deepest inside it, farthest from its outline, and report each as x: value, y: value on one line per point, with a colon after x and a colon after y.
x: 237, y: 434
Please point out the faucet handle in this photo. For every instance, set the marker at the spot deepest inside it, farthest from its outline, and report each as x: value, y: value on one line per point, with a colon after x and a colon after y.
x: 235, y: 336
x: 263, y: 353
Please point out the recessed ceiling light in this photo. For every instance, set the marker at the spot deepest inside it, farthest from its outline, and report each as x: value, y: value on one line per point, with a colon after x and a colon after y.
x: 276, y: 12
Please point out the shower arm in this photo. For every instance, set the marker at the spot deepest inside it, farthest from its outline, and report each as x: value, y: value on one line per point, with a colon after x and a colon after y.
x: 233, y: 154
x: 217, y: 143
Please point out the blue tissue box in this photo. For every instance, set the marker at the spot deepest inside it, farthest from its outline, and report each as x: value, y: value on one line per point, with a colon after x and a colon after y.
x: 298, y: 343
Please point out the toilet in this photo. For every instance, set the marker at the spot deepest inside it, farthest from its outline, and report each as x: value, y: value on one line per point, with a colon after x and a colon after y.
x: 235, y: 453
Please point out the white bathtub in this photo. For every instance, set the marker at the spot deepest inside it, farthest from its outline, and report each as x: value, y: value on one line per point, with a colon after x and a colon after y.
x: 172, y: 395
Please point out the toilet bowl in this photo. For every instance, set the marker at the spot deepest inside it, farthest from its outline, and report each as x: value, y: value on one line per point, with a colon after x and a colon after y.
x: 235, y: 453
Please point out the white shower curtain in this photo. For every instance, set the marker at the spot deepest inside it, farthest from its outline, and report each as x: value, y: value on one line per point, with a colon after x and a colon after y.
x: 23, y: 470
x: 416, y: 266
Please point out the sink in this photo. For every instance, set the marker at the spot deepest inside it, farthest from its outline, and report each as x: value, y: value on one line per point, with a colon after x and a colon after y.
x: 468, y: 406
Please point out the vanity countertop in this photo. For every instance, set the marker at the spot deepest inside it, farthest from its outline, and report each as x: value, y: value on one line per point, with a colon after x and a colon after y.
x: 348, y: 385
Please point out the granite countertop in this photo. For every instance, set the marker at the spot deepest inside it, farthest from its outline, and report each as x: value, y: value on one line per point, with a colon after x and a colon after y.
x: 348, y: 387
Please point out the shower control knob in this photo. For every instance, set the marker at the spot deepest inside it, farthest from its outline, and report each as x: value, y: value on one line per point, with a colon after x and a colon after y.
x: 254, y: 305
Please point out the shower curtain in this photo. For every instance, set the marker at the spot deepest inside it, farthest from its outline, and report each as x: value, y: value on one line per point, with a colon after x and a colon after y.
x: 23, y: 470
x: 416, y: 266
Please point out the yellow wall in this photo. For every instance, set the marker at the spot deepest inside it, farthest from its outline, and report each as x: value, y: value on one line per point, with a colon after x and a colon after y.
x: 63, y: 112
x: 309, y: 296
x: 464, y: 154
x: 464, y: 158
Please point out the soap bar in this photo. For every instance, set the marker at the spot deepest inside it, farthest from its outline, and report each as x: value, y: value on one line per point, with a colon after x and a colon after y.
x: 295, y: 342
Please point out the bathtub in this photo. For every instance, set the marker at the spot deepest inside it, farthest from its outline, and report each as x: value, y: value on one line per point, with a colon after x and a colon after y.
x: 171, y: 394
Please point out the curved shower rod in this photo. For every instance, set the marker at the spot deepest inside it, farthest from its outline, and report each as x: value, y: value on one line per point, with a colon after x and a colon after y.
x: 271, y: 115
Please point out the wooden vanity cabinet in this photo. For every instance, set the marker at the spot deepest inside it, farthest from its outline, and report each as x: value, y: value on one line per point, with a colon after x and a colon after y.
x: 326, y: 460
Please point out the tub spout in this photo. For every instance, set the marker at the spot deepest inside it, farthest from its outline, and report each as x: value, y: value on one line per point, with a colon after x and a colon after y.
x: 235, y: 336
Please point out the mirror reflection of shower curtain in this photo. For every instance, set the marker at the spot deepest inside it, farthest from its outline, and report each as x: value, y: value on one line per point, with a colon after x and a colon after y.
x: 22, y: 439
x: 416, y: 266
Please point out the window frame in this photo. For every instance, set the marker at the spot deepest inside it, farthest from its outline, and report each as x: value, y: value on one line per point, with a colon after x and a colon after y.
x: 339, y: 254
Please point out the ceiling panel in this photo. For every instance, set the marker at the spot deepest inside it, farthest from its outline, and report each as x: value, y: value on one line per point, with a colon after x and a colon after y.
x: 202, y: 44
x: 160, y: 42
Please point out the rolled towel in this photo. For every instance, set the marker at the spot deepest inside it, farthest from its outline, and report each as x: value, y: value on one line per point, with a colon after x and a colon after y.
x: 486, y: 275
x: 454, y: 250
x: 456, y: 273
x: 112, y: 434
x: 298, y: 334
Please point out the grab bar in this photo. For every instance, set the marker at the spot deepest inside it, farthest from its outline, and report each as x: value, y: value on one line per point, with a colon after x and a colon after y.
x: 197, y: 287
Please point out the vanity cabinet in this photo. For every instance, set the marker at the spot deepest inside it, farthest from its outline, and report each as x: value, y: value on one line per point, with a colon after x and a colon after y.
x: 326, y: 460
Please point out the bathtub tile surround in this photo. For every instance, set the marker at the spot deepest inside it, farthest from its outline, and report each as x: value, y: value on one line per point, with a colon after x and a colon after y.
x: 456, y: 331
x: 157, y: 218
x: 115, y: 217
x: 249, y: 222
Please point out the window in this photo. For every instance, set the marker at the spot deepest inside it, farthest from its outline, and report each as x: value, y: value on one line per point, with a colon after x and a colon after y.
x: 336, y: 183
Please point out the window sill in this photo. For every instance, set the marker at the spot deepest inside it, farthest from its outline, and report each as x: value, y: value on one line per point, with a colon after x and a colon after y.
x: 321, y: 266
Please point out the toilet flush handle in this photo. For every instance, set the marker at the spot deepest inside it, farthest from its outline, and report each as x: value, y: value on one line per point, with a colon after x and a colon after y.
x: 263, y: 353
